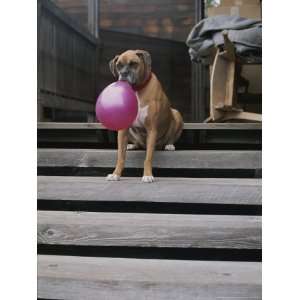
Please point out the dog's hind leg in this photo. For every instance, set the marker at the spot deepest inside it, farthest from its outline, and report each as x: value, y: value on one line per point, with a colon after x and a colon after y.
x: 174, y: 131
x: 169, y: 147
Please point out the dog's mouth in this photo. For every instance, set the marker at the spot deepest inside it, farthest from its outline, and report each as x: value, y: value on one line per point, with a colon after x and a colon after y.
x: 129, y: 78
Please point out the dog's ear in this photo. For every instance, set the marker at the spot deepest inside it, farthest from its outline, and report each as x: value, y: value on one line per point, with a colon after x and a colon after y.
x: 112, y: 65
x: 146, y: 57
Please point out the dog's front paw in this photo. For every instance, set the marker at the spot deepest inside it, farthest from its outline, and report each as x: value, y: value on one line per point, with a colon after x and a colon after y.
x: 148, y: 179
x: 113, y: 177
x: 170, y: 147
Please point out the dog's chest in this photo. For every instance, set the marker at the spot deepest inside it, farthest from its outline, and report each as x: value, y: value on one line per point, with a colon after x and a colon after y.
x: 141, y: 115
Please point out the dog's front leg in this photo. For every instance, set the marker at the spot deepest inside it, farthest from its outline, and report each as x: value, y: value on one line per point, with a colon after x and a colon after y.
x: 151, y: 141
x: 122, y: 145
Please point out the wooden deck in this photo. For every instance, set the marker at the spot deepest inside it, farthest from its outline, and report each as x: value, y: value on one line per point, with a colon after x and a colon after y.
x: 177, y: 238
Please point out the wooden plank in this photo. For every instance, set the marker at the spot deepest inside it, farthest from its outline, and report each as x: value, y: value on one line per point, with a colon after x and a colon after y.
x: 201, y: 126
x: 218, y: 86
x: 188, y: 159
x: 223, y: 126
x: 230, y: 92
x: 149, y: 230
x: 171, y: 190
x: 68, y: 277
x: 66, y: 19
x: 69, y: 104
x: 243, y: 115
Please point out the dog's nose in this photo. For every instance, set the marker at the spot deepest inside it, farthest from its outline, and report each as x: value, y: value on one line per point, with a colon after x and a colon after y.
x: 124, y: 73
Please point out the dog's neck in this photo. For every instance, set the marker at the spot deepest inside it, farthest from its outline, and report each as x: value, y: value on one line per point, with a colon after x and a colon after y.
x: 138, y: 87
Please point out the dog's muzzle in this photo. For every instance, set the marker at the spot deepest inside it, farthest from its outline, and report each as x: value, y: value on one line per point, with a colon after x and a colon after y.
x: 129, y: 77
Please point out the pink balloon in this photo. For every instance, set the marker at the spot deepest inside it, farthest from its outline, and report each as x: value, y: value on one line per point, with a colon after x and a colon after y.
x: 117, y: 106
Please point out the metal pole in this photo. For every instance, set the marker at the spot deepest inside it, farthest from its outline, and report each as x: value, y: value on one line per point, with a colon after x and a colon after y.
x: 93, y: 17
x: 198, y: 73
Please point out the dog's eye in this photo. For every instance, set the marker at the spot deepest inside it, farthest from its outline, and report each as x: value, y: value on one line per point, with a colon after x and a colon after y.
x: 119, y: 66
x: 133, y: 64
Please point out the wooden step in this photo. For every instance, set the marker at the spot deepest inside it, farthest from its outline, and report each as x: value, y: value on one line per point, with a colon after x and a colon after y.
x: 188, y: 159
x: 238, y: 136
x: 200, y: 126
x: 68, y: 277
x: 149, y: 230
x: 167, y: 190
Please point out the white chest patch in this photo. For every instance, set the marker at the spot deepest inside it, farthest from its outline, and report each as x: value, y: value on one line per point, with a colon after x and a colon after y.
x: 141, y: 115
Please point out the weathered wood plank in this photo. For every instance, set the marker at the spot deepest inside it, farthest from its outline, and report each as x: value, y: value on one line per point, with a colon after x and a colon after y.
x: 67, y: 59
x: 149, y: 230
x: 65, y: 18
x: 203, y: 159
x: 171, y: 190
x: 55, y: 101
x: 66, y: 277
x: 201, y: 126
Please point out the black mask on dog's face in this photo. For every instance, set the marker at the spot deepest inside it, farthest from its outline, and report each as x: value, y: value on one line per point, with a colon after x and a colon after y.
x: 128, y: 71
x: 131, y: 66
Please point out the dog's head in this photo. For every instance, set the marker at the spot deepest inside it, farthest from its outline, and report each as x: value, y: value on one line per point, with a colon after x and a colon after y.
x: 133, y: 66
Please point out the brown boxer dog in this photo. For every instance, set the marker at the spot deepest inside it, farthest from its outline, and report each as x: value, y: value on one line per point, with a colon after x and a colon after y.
x: 157, y: 125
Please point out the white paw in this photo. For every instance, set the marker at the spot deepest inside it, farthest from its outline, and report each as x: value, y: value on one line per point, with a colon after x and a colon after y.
x: 131, y: 147
x: 170, y: 147
x: 113, y: 177
x: 147, y: 179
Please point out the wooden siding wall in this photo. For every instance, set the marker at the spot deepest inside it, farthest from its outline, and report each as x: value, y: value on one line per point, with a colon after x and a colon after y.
x: 66, y: 61
x: 168, y: 19
x: 170, y: 62
x: 78, y: 9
